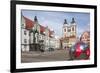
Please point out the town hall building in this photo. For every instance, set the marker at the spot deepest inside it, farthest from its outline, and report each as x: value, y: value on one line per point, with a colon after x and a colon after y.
x: 35, y: 37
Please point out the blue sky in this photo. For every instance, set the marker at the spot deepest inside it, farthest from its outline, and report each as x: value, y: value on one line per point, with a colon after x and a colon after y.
x: 54, y: 20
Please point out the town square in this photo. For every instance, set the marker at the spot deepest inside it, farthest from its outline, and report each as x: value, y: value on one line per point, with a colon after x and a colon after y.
x: 54, y: 36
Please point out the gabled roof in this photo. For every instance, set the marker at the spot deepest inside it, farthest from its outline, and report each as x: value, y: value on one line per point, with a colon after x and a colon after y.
x: 42, y: 28
x: 29, y: 23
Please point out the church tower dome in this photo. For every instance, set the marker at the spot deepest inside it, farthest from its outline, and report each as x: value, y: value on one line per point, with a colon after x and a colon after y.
x: 73, y: 20
x: 35, y: 19
x: 73, y: 27
x: 65, y: 21
x: 65, y: 26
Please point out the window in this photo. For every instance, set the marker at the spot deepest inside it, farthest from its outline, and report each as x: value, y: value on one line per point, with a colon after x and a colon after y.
x: 72, y: 28
x: 25, y: 46
x: 22, y: 25
x: 24, y: 32
x: 25, y: 41
x: 64, y: 30
x: 69, y: 30
x: 29, y: 34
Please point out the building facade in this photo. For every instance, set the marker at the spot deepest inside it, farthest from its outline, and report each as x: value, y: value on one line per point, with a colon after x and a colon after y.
x: 35, y: 37
x: 69, y: 34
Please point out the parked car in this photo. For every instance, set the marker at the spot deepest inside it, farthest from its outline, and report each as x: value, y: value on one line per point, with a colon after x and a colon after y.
x: 80, y: 51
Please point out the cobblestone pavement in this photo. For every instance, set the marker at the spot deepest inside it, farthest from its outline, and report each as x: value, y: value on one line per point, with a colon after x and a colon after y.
x: 57, y: 55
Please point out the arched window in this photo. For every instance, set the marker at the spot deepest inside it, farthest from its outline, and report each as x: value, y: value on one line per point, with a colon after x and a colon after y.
x: 64, y: 30
x: 69, y: 29
x: 72, y: 28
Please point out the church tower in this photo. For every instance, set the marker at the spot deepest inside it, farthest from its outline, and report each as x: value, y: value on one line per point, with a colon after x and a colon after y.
x: 36, y: 30
x: 64, y: 30
x: 73, y: 28
x: 69, y: 34
x: 37, y: 25
x: 36, y: 22
x: 35, y: 19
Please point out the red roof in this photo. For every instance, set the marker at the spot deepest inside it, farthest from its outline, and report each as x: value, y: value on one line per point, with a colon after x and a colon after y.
x: 29, y: 23
x: 42, y: 28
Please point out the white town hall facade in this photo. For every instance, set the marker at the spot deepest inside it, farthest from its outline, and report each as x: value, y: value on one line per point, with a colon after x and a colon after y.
x: 35, y: 37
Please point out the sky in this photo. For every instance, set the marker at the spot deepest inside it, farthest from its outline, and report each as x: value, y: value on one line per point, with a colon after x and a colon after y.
x: 54, y: 20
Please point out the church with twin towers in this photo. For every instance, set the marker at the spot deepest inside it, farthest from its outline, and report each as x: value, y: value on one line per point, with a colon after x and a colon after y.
x: 69, y: 33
